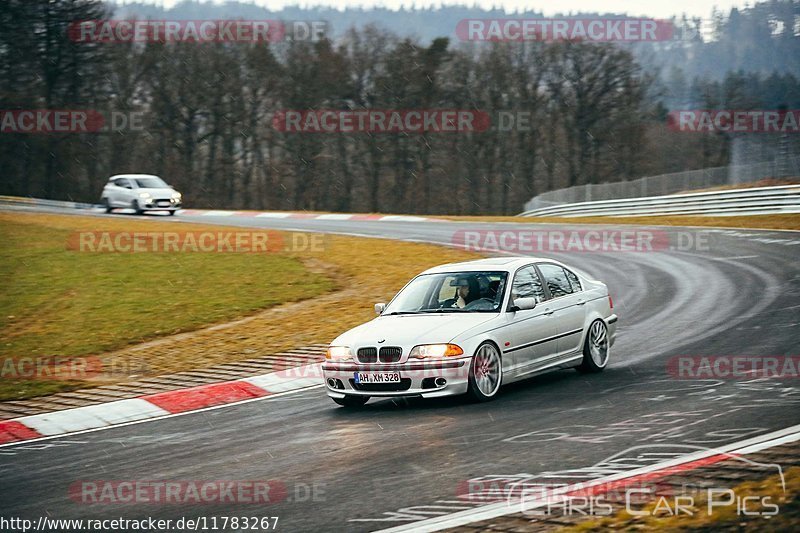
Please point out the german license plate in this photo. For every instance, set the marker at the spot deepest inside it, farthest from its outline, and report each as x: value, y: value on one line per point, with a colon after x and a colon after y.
x: 377, y: 377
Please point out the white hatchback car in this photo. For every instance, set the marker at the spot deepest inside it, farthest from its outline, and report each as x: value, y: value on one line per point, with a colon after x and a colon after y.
x: 140, y: 192
x: 468, y: 328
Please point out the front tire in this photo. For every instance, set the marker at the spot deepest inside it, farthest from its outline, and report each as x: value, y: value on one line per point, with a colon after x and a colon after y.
x: 485, y: 373
x: 351, y: 401
x: 139, y: 210
x: 595, y: 349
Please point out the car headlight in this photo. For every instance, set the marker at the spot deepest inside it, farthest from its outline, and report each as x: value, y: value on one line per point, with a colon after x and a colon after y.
x: 144, y: 195
x: 339, y: 353
x: 176, y: 195
x: 425, y: 351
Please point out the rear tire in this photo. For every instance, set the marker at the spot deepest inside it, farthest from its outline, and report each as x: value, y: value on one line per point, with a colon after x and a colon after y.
x: 107, y: 205
x: 485, y: 373
x: 595, y: 348
x: 351, y: 401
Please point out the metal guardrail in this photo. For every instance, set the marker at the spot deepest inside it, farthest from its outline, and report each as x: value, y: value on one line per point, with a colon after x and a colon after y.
x: 673, y: 183
x: 20, y: 200
x: 753, y: 201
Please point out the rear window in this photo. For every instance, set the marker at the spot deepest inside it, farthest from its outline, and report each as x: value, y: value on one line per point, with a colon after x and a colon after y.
x: 573, y: 280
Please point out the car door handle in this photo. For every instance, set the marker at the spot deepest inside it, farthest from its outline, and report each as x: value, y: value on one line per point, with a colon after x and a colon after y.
x: 580, y: 302
x: 547, y: 312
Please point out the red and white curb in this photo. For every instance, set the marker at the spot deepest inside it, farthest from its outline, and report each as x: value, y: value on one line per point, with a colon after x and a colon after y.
x: 312, y: 216
x: 158, y: 405
x: 692, y: 461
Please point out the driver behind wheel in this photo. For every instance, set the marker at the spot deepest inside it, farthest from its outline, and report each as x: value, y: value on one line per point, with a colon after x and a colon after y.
x: 468, y: 290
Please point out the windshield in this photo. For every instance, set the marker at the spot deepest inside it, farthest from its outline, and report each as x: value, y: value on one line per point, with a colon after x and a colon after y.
x: 451, y: 292
x: 150, y: 183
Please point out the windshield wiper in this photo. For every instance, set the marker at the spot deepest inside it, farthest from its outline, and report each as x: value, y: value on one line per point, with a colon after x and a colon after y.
x: 401, y: 313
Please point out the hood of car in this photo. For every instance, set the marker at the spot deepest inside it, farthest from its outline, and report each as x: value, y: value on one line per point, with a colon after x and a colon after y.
x: 409, y: 330
x: 157, y: 192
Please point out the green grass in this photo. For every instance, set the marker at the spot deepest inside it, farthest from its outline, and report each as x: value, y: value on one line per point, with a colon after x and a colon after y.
x: 61, y: 302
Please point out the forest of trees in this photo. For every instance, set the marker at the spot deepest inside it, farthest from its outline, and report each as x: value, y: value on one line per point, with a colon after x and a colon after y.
x: 597, y: 114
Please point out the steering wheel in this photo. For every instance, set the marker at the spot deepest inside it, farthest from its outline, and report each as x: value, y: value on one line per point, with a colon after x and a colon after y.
x: 481, y: 303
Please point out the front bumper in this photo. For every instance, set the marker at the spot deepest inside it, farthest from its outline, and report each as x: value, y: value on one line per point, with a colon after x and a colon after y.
x: 418, y: 378
x: 166, y: 204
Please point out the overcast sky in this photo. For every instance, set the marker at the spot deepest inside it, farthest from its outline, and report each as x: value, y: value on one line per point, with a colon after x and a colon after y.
x: 648, y: 8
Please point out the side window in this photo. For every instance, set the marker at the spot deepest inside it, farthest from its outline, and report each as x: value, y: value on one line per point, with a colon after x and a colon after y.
x: 527, y: 285
x: 122, y: 182
x: 556, y: 279
x: 573, y: 281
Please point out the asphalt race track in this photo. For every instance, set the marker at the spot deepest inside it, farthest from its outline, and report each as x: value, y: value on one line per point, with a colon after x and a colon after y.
x: 394, y: 462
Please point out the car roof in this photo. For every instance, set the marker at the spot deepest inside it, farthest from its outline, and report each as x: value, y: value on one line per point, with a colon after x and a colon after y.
x: 508, y: 264
x: 132, y: 176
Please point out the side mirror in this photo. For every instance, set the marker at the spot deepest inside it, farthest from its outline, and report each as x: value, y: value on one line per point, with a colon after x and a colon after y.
x: 379, y: 308
x: 523, y: 304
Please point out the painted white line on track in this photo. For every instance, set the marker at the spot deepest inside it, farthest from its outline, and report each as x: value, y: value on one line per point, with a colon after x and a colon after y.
x: 734, y: 258
x: 273, y: 215
x: 512, y: 505
x: 403, y: 218
x: 334, y: 216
